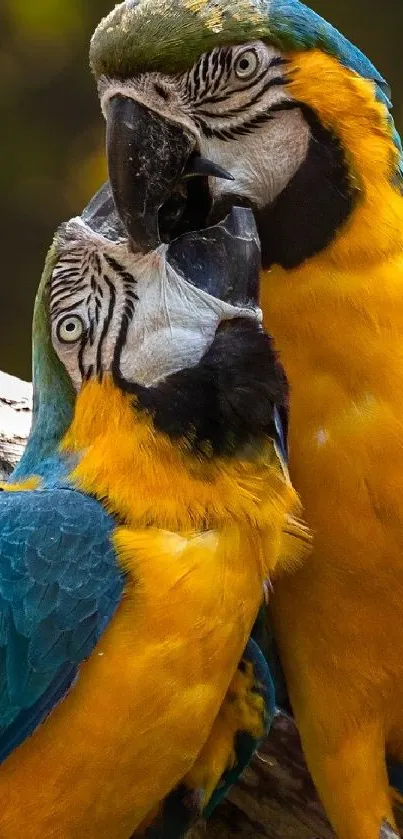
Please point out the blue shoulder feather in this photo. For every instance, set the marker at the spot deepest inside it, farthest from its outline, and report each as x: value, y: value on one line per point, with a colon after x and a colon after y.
x: 59, y: 588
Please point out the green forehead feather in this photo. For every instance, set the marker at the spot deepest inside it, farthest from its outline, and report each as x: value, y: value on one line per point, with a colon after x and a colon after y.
x: 169, y: 35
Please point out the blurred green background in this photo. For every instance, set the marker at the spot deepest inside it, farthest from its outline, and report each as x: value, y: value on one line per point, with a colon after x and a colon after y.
x: 52, y: 133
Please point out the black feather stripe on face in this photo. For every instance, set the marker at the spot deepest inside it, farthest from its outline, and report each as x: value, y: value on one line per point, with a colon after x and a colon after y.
x: 213, y: 70
x: 247, y: 126
x: 308, y: 213
x: 305, y: 215
x: 276, y: 81
x: 207, y: 84
x: 85, y: 271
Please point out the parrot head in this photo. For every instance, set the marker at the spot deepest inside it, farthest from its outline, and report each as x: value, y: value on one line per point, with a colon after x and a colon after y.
x: 211, y: 103
x: 143, y: 317
x: 103, y: 310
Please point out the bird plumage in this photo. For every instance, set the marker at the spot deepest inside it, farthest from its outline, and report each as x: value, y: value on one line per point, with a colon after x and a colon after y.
x: 302, y: 121
x: 138, y: 37
x: 59, y: 587
x: 337, y: 318
x: 126, y: 538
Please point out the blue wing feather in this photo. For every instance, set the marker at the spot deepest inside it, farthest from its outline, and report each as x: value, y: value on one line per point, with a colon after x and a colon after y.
x: 246, y: 745
x: 59, y: 587
x: 28, y: 720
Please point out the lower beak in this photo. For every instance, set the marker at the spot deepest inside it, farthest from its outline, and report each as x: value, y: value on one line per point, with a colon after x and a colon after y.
x: 222, y: 260
x: 149, y: 159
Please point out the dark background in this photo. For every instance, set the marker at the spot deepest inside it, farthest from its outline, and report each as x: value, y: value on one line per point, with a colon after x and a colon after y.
x: 51, y: 130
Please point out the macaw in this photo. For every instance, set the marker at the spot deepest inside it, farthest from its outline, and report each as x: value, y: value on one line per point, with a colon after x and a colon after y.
x: 150, y: 506
x: 300, y: 119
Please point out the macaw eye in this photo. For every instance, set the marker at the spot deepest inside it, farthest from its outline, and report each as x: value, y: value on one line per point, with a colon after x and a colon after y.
x: 246, y: 64
x: 70, y: 329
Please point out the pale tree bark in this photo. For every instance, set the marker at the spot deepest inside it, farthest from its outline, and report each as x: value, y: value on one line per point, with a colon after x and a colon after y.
x: 15, y: 420
x: 275, y: 798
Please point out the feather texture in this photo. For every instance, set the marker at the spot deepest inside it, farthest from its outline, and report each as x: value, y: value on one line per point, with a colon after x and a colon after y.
x: 59, y: 587
x: 338, y: 320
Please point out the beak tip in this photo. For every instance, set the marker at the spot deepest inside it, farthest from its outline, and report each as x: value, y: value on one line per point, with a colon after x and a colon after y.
x: 146, y: 158
x: 202, y: 166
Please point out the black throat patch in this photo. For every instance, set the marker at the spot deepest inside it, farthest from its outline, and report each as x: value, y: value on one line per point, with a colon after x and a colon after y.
x: 306, y: 216
x: 228, y: 402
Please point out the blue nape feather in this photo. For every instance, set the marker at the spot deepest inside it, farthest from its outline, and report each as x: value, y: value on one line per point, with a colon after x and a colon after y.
x: 299, y: 27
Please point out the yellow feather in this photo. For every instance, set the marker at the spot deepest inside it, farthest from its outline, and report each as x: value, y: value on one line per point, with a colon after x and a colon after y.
x: 198, y: 540
x: 28, y: 485
x: 147, y: 480
x: 241, y: 710
x: 337, y: 321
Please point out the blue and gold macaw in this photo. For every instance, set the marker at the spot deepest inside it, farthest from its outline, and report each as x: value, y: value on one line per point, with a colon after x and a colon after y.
x: 150, y: 505
x: 300, y: 120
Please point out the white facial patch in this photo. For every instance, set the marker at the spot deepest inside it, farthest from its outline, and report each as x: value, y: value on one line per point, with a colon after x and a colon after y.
x: 140, y: 319
x: 254, y: 131
x: 174, y: 324
x: 267, y: 161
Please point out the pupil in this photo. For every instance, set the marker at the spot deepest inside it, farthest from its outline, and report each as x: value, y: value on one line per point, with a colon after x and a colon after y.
x: 70, y: 327
x: 244, y: 63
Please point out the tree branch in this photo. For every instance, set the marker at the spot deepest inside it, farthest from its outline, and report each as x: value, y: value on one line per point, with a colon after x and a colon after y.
x: 15, y: 420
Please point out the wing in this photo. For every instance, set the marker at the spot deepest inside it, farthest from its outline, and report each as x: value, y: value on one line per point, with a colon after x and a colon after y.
x: 246, y: 745
x: 59, y: 587
x: 183, y: 806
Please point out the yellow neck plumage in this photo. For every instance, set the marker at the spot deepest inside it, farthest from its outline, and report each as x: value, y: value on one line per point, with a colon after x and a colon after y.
x: 352, y: 284
x: 346, y: 104
x: 148, y: 480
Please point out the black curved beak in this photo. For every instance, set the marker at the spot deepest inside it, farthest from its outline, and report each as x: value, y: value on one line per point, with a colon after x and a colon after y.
x: 149, y: 159
x: 223, y: 260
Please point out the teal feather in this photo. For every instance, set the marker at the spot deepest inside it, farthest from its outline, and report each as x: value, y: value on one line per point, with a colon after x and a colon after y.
x: 60, y: 585
x: 60, y: 582
x: 54, y: 396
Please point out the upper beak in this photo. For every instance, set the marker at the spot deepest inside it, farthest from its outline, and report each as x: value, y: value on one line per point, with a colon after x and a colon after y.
x: 148, y: 159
